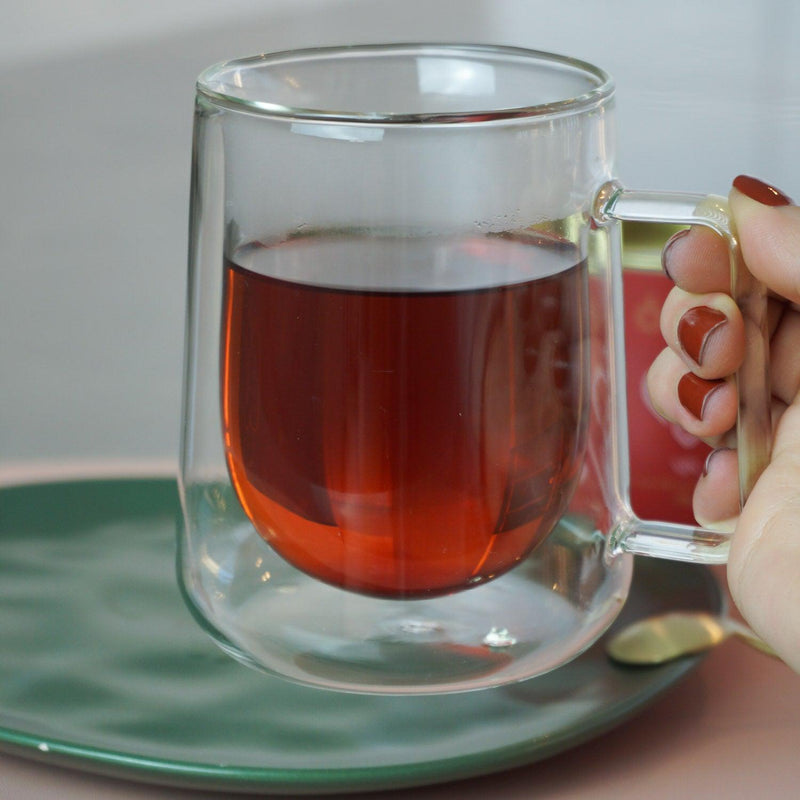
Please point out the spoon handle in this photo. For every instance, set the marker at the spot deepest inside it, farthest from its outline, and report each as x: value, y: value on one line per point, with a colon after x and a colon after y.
x: 744, y: 633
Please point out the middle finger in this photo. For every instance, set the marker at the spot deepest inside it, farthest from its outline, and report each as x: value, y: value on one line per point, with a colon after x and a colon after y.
x: 705, y: 331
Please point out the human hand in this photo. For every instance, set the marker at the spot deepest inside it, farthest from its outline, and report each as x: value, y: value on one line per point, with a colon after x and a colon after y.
x: 691, y: 383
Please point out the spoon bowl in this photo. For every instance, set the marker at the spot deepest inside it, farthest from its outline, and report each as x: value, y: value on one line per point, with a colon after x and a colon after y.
x: 658, y: 639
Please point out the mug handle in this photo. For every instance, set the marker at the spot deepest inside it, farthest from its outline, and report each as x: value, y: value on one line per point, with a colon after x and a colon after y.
x: 753, y: 425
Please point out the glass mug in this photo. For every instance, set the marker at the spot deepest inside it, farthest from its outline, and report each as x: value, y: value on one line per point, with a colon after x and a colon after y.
x: 404, y: 461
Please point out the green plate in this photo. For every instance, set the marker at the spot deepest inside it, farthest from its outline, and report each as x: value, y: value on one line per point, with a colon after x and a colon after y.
x: 103, y: 669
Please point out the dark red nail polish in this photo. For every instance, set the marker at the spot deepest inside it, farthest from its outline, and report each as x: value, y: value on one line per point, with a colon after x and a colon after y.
x: 693, y: 392
x: 695, y: 329
x: 667, y: 247
x: 760, y: 192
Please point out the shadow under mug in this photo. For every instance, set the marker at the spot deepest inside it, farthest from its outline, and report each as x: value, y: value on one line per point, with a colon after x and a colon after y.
x: 404, y: 460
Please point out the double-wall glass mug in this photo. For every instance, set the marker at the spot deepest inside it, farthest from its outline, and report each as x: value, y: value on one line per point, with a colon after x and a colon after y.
x: 404, y: 461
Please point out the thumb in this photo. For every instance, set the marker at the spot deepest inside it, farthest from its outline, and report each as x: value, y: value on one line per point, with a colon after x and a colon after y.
x: 765, y: 551
x: 768, y: 225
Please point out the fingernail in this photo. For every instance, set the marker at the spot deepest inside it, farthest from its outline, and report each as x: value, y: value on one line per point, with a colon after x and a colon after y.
x: 695, y: 329
x: 720, y: 525
x: 667, y: 247
x: 761, y: 192
x: 693, y: 392
x: 710, y: 458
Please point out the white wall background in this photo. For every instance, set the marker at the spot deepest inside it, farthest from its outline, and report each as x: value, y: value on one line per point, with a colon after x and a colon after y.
x: 95, y: 127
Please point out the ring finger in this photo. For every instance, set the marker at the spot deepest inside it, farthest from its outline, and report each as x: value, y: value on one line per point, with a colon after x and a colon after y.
x: 705, y: 408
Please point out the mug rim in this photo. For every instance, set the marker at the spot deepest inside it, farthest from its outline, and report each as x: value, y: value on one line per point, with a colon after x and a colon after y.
x: 208, y: 85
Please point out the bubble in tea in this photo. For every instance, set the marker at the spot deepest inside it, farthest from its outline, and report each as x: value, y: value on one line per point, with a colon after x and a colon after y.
x: 404, y: 416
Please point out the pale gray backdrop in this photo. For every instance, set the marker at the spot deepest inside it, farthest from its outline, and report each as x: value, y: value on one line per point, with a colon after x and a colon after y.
x: 95, y: 126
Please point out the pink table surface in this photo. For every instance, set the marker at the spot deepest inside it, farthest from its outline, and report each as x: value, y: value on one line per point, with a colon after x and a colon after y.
x: 731, y: 729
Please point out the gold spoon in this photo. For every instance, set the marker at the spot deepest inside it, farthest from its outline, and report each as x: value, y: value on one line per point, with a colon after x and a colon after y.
x: 664, y: 637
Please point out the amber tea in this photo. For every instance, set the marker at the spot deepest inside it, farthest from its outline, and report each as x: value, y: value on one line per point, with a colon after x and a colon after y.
x: 404, y: 416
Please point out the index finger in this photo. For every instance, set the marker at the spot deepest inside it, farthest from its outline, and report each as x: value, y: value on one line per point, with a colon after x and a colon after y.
x: 697, y: 260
